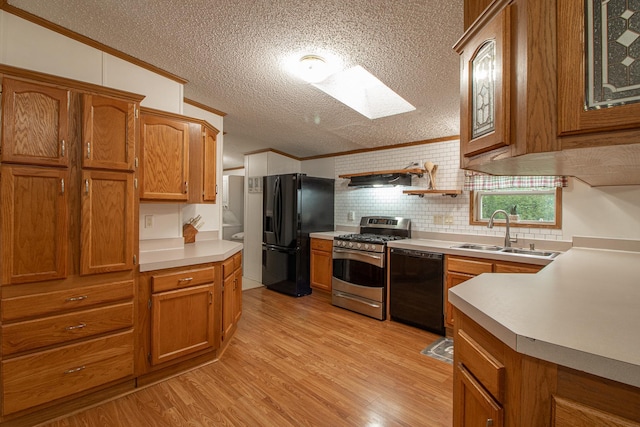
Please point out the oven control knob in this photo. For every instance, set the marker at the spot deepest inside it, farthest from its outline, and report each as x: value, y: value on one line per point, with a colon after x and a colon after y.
x: 373, y: 247
x: 366, y: 247
x: 350, y: 244
x: 358, y: 245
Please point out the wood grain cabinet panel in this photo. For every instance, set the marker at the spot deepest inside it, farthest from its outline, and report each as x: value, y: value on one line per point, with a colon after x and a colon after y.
x: 48, y: 331
x: 567, y: 413
x: 473, y: 405
x: 209, y: 185
x: 34, y: 223
x: 231, y: 294
x: 108, y: 133
x: 35, y: 121
x: 49, y: 303
x: 164, y: 148
x: 52, y: 374
x: 321, y: 265
x: 181, y: 322
x: 108, y: 215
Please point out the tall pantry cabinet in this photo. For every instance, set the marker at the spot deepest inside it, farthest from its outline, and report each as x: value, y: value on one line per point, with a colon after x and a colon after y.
x: 67, y: 240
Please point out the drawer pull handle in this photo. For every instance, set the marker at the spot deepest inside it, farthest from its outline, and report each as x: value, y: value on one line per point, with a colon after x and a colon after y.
x: 80, y: 298
x: 489, y: 422
x: 186, y: 279
x: 78, y: 369
x: 80, y: 326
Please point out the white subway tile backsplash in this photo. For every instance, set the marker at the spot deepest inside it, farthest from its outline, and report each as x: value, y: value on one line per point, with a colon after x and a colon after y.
x: 421, y: 211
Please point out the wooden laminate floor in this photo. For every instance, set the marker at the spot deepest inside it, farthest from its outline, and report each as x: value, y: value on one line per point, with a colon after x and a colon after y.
x: 297, y: 362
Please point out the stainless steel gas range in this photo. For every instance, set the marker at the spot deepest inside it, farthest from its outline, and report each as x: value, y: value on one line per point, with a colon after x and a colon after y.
x: 360, y: 266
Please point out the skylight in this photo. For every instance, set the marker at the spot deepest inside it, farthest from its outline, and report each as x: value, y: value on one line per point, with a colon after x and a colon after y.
x: 363, y: 92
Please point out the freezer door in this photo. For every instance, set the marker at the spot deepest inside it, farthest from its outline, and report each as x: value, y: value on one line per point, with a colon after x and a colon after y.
x: 280, y: 206
x: 284, y: 270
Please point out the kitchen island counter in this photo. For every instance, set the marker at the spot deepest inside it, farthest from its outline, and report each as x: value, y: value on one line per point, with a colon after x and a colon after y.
x: 581, y: 311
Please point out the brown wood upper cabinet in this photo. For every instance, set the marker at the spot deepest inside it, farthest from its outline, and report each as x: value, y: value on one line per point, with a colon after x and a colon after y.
x: 108, y: 133
x: 108, y: 236
x: 597, y: 91
x: 164, y: 152
x: 34, y: 223
x: 484, y: 87
x: 566, y: 102
x: 35, y: 121
x: 179, y: 156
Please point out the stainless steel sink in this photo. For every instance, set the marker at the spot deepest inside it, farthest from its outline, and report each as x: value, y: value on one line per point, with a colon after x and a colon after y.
x: 546, y: 254
x: 514, y: 251
x: 479, y: 247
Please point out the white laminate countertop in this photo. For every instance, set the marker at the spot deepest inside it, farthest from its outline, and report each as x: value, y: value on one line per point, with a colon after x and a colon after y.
x: 191, y: 254
x: 581, y: 311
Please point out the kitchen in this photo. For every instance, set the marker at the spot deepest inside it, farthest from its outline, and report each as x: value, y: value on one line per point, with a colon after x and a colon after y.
x: 607, y: 212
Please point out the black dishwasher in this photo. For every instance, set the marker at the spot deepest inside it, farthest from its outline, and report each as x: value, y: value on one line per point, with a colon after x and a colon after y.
x: 416, y: 289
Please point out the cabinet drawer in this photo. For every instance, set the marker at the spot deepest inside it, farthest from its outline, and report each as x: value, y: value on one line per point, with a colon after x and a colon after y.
x: 48, y: 375
x: 322, y: 245
x: 33, y: 334
x: 68, y: 299
x: 517, y: 268
x: 227, y: 267
x: 486, y: 368
x: 468, y: 266
x: 182, y: 279
x: 237, y: 261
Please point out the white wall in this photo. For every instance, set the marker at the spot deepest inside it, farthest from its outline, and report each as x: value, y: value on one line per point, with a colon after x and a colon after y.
x: 322, y: 168
x: 601, y: 211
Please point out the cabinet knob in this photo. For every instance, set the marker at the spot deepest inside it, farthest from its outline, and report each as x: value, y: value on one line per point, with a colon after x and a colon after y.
x: 489, y: 422
x: 63, y: 148
x: 88, y: 150
x: 186, y: 187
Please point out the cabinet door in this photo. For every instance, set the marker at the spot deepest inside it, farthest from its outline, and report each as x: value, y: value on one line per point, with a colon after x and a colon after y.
x: 107, y: 222
x: 321, y: 266
x: 34, y: 224
x: 209, y: 184
x: 34, y: 124
x: 473, y: 406
x: 453, y: 279
x: 164, y: 147
x: 484, y: 87
x: 228, y: 306
x: 237, y: 296
x: 598, y: 91
x: 108, y: 133
x: 181, y: 322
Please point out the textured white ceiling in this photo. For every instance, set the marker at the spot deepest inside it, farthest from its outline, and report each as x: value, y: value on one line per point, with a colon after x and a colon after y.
x: 232, y: 52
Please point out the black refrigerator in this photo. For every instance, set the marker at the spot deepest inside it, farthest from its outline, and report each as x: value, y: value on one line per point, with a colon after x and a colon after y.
x: 294, y: 205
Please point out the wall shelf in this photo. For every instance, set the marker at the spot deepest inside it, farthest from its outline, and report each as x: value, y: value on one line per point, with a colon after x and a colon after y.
x: 414, y: 171
x: 421, y: 193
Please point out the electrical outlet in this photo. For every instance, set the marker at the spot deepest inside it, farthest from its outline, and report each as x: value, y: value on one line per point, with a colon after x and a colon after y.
x: 148, y: 221
x: 438, y: 220
x: 351, y: 216
x: 448, y: 219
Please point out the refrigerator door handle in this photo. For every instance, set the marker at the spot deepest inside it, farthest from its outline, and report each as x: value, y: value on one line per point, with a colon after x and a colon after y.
x: 276, y: 210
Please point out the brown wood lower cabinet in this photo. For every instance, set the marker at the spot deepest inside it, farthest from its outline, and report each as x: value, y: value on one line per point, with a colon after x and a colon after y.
x: 495, y: 385
x: 231, y: 295
x: 321, y: 264
x: 48, y: 375
x: 181, y: 322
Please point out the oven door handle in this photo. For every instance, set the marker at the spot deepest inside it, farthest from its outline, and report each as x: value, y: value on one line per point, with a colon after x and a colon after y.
x: 365, y: 257
x: 359, y: 300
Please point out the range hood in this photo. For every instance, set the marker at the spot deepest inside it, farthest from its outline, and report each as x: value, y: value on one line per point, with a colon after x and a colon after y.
x: 380, y: 180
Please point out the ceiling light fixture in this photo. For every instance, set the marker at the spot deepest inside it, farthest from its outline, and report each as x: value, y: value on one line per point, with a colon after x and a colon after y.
x: 313, y: 68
